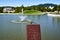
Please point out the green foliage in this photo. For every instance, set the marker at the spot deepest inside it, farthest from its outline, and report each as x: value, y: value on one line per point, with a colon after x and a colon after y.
x: 18, y: 9
x: 1, y: 9
x: 27, y: 8
x: 35, y: 8
x: 58, y: 8
x: 39, y: 8
x: 55, y: 8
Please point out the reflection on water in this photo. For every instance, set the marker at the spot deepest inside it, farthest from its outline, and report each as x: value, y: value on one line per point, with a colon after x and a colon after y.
x: 50, y: 27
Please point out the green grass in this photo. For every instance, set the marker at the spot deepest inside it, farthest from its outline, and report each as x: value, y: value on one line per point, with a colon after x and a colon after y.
x: 32, y: 12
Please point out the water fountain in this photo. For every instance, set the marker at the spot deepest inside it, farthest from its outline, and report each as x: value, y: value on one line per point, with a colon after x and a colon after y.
x: 22, y: 19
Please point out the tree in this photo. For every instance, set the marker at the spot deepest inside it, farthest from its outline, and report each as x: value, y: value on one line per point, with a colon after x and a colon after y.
x: 22, y: 6
x: 33, y: 7
x: 27, y: 8
x: 1, y: 9
x: 17, y: 9
x: 58, y: 8
x: 55, y: 8
x: 39, y: 8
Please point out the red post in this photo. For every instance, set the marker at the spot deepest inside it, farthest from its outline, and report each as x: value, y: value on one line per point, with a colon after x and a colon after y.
x: 33, y: 32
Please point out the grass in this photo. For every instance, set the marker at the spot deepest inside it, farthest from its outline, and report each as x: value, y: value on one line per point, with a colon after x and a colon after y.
x: 32, y: 12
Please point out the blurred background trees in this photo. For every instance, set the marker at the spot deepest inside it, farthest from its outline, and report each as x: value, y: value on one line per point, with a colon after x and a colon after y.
x: 40, y: 7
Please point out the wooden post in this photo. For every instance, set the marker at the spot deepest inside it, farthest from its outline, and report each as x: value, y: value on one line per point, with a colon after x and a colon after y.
x: 33, y: 32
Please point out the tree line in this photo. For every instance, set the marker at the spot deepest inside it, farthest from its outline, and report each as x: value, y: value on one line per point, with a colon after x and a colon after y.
x: 43, y: 8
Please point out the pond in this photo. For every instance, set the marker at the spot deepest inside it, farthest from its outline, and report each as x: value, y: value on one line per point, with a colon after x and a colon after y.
x: 50, y: 27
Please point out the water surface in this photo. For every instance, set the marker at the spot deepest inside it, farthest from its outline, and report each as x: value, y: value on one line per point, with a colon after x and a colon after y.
x: 50, y: 27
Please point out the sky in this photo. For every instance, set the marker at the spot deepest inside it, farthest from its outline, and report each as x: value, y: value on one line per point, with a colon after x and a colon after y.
x: 26, y: 2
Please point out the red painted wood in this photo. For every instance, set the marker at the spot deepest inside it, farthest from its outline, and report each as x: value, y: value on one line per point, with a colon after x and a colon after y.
x: 33, y: 32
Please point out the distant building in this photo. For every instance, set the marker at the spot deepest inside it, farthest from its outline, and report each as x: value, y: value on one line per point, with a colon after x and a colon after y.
x: 51, y: 7
x: 56, y: 11
x: 8, y: 9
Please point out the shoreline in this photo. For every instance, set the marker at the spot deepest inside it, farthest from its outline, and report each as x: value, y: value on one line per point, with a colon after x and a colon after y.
x: 53, y: 15
x: 19, y: 14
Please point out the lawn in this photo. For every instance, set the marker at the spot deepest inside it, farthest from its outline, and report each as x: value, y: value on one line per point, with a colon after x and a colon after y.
x: 32, y: 12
